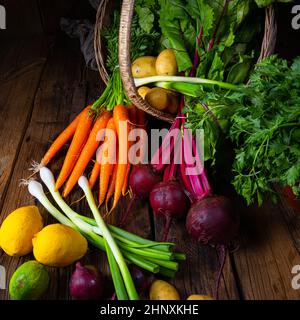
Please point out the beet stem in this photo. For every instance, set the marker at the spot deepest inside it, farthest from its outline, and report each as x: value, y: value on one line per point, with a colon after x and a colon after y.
x: 168, y: 220
x: 166, y: 173
x: 222, y: 253
x: 157, y: 159
x: 196, y: 56
x: 127, y: 212
x: 213, y: 40
x: 185, y: 179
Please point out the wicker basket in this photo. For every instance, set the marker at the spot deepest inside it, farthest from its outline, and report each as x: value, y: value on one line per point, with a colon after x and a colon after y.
x: 267, y: 48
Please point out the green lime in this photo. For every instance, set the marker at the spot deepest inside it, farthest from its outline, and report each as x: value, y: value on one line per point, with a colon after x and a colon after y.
x: 29, y: 281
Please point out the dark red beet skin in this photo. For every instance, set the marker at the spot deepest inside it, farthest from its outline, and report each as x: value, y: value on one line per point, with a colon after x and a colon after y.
x: 212, y: 220
x: 142, y: 180
x: 168, y: 198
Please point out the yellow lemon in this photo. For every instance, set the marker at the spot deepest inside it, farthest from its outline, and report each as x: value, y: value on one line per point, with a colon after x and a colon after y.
x: 18, y: 230
x: 58, y: 245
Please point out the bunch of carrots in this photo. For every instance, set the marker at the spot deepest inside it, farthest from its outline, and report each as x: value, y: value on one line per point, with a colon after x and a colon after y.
x: 84, y: 132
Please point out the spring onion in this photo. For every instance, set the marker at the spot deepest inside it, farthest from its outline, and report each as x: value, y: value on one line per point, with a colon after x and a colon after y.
x: 132, y: 294
x: 147, y: 254
x: 168, y: 81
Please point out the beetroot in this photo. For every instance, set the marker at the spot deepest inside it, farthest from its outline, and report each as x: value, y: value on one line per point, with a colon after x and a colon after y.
x: 212, y: 220
x: 142, y: 180
x: 168, y: 199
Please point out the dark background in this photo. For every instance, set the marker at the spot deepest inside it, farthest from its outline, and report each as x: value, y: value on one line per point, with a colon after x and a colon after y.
x: 27, y: 18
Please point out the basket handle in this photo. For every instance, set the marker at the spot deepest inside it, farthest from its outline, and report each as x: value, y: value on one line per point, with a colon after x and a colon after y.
x: 270, y: 34
x: 125, y: 64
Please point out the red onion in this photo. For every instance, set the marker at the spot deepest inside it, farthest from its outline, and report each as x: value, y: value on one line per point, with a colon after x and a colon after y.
x: 141, y: 278
x: 86, y: 283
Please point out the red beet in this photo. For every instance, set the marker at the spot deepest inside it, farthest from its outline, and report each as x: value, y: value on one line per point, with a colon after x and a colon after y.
x: 168, y: 200
x: 212, y: 220
x: 142, y: 180
x: 86, y: 283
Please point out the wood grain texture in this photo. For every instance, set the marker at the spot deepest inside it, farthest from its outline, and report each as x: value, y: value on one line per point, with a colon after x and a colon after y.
x: 18, y: 87
x: 267, y: 254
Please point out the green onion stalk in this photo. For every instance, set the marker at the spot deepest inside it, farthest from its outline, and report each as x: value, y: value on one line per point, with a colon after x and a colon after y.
x: 122, y: 247
x: 189, y: 86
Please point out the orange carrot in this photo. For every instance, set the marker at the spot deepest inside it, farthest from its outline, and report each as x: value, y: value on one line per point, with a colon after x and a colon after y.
x: 121, y: 118
x: 95, y: 174
x: 126, y: 180
x: 112, y: 184
x: 107, y: 166
x: 133, y: 113
x: 87, y: 153
x: 79, y: 139
x: 62, y: 139
x: 142, y: 123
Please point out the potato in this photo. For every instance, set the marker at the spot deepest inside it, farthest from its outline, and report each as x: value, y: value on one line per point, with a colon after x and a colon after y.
x: 199, y: 297
x: 166, y: 64
x: 174, y: 103
x: 144, y: 67
x: 162, y: 290
x: 158, y: 98
x: 142, y: 91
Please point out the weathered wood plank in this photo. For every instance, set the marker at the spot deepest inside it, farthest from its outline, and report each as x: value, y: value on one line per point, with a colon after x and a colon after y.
x: 197, y: 274
x: 267, y: 254
x: 57, y: 97
x: 17, y: 90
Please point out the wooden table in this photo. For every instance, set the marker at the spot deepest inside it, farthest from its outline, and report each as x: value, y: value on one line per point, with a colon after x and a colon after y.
x: 43, y: 84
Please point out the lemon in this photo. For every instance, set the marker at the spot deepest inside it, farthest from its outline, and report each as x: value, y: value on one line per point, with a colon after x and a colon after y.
x: 58, y: 245
x: 18, y: 229
x: 29, y: 281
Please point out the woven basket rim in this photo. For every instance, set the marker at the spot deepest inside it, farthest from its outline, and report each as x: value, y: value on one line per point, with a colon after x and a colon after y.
x: 267, y: 48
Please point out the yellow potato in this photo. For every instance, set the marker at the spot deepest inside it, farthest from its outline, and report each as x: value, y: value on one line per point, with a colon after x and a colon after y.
x: 199, y: 297
x: 142, y: 91
x: 144, y: 67
x: 162, y: 290
x: 174, y: 103
x: 158, y: 98
x: 166, y: 64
